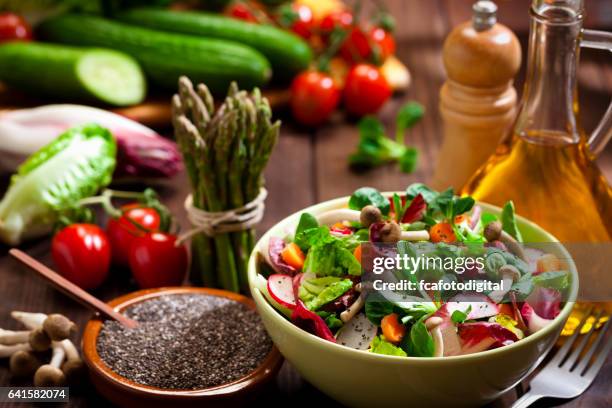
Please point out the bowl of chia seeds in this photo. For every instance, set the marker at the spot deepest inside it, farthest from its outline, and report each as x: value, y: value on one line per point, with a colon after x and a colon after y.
x: 191, y: 346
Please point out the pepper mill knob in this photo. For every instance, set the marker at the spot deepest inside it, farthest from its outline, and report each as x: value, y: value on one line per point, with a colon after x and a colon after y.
x: 482, y: 52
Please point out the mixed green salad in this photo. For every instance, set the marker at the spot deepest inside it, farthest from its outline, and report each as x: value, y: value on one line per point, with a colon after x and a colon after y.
x: 315, y: 277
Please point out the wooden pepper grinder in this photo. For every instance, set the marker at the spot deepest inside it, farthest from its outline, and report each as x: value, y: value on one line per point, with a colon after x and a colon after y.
x: 478, y: 101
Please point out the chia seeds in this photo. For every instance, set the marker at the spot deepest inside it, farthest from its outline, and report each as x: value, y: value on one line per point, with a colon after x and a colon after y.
x: 185, y: 342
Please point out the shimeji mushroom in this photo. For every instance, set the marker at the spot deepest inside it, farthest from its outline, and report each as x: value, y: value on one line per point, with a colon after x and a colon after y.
x: 509, y: 275
x: 30, y: 320
x: 39, y: 340
x: 14, y: 337
x: 433, y: 325
x: 73, y: 368
x: 333, y: 216
x: 23, y: 363
x: 494, y: 232
x: 58, y: 327
x: 369, y: 215
x: 353, y: 309
x: 8, y: 350
x: 50, y: 375
x: 391, y: 232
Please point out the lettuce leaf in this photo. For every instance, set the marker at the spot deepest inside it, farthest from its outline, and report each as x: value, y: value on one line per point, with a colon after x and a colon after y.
x: 508, y: 220
x: 74, y: 166
x: 382, y: 346
x: 328, y: 255
x: 553, y: 280
x: 420, y: 342
x: 318, y: 292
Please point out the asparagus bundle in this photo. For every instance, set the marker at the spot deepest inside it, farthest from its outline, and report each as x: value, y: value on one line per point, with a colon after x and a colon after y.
x: 225, y: 152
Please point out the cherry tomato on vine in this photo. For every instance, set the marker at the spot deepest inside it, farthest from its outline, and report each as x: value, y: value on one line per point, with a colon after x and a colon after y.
x: 299, y: 19
x: 385, y: 42
x: 82, y: 254
x: 366, y: 90
x: 122, y: 231
x: 14, y: 28
x: 156, y: 261
x: 375, y: 45
x: 342, y: 19
x: 314, y: 97
x: 241, y: 11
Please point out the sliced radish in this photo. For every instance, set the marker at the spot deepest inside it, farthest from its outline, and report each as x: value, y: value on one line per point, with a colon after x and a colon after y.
x: 357, y: 333
x: 532, y: 255
x: 480, y: 305
x: 280, y: 288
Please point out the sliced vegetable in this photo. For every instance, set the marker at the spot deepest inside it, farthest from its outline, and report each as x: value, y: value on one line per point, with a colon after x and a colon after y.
x: 293, y: 256
x: 280, y: 288
x: 442, y: 232
x: 75, y: 165
x: 85, y: 74
x: 381, y: 346
x: 166, y: 56
x: 392, y: 328
x: 357, y: 333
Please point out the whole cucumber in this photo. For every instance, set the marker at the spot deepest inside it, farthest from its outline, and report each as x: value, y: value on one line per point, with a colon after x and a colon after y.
x: 72, y: 73
x: 288, y: 53
x: 166, y: 56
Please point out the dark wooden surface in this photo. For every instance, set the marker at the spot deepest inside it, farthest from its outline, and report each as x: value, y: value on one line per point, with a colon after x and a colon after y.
x: 310, y: 165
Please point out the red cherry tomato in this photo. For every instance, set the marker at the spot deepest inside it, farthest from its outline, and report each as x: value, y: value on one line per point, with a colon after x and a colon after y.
x: 374, y: 46
x: 314, y: 97
x: 14, y: 28
x: 302, y: 20
x: 338, y: 19
x: 82, y: 254
x: 156, y: 261
x: 385, y: 42
x: 241, y: 11
x: 366, y: 90
x: 122, y: 231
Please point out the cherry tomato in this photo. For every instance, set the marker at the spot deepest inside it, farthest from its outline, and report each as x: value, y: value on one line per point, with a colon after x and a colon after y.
x: 342, y: 19
x: 301, y: 20
x: 82, y: 254
x: 156, y: 261
x: 122, y: 231
x: 385, y: 42
x: 14, y: 28
x: 241, y: 11
x: 366, y: 90
x: 374, y: 46
x: 314, y: 97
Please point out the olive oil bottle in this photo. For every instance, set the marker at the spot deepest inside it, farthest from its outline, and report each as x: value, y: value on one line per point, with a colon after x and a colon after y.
x: 546, y: 164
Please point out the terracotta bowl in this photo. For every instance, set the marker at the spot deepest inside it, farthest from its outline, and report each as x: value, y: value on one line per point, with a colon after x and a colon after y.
x: 127, y: 393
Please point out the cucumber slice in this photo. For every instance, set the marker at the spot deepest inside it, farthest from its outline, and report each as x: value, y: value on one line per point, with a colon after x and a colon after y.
x: 72, y: 73
x: 111, y: 77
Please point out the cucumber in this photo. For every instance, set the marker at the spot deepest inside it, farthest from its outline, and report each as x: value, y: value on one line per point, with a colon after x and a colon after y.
x: 72, y: 73
x: 166, y: 56
x: 287, y: 52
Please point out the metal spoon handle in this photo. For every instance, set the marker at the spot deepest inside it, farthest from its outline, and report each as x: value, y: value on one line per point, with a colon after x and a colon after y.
x: 72, y: 290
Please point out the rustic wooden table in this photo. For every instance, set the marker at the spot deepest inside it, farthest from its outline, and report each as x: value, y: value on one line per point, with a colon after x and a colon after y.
x: 310, y: 165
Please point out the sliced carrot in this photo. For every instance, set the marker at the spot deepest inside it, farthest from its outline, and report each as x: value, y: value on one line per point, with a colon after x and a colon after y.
x: 357, y: 253
x: 548, y: 263
x: 460, y: 218
x: 392, y: 329
x: 506, y: 308
x: 293, y: 255
x: 442, y: 232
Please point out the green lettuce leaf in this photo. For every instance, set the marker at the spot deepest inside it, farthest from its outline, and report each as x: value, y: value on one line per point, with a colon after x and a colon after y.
x: 74, y: 166
x: 420, y: 342
x: 508, y: 220
x: 328, y: 255
x: 382, y: 346
x: 318, y: 292
x: 554, y: 280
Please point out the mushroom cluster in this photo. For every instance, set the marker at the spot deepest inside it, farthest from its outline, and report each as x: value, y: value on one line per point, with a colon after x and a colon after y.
x: 26, y: 348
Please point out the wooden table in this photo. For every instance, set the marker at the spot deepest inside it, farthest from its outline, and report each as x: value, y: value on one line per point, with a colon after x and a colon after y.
x: 310, y: 165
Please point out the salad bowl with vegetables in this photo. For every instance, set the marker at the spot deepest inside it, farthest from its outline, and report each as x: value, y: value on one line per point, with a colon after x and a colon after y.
x: 311, y: 278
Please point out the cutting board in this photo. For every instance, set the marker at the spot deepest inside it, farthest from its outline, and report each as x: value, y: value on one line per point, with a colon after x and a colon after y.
x: 154, y: 112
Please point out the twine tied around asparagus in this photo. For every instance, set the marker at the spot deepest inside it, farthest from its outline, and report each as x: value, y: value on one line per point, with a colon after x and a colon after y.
x: 221, y: 222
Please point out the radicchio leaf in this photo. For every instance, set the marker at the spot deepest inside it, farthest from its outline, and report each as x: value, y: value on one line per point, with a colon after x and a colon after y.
x: 415, y: 210
x: 275, y: 247
x: 311, y: 322
x: 545, y: 301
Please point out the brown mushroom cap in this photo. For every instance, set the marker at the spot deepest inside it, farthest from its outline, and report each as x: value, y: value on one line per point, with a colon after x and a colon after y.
x: 39, y: 340
x: 74, y: 371
x: 49, y: 376
x: 59, y: 327
x: 23, y: 364
x: 391, y: 232
x: 369, y: 215
x: 493, y: 231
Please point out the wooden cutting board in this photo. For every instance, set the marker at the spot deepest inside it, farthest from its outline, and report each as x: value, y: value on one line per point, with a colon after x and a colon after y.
x: 154, y: 112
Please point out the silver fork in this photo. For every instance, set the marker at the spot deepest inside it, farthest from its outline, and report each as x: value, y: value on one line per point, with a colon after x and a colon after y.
x: 567, y: 375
